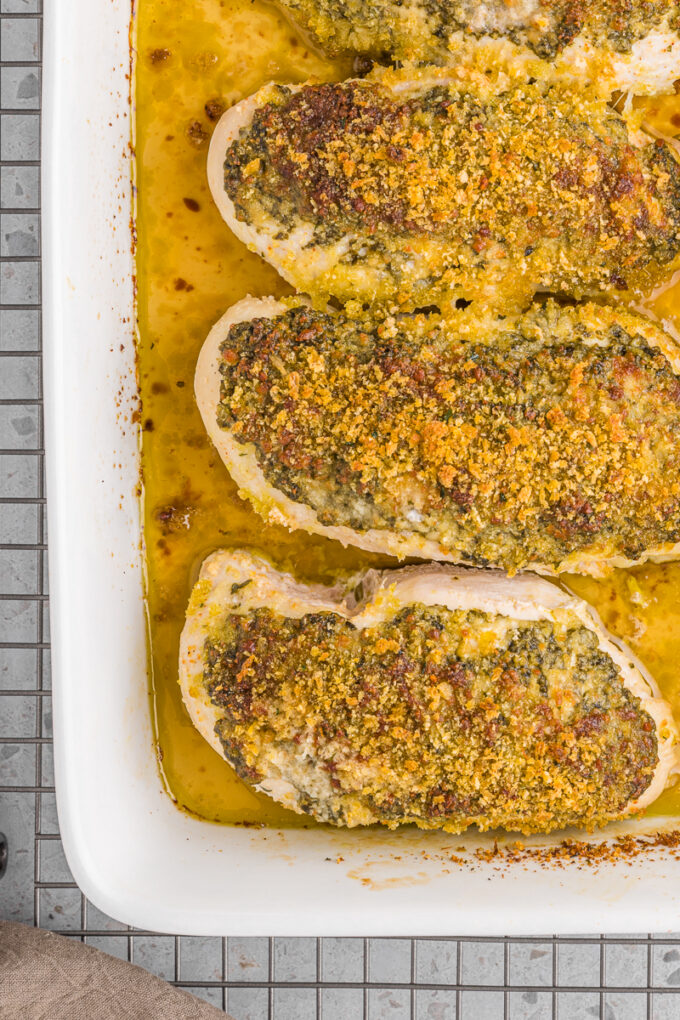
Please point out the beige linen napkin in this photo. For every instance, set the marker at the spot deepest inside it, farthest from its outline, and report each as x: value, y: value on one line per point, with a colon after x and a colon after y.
x: 46, y: 977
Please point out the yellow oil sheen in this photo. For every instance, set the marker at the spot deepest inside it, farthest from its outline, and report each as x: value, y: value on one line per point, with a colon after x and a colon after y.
x: 192, y: 58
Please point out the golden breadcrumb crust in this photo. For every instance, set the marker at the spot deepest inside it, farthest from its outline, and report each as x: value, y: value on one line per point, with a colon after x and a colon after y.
x: 516, y: 441
x: 441, y: 718
x: 456, y: 189
x: 423, y: 28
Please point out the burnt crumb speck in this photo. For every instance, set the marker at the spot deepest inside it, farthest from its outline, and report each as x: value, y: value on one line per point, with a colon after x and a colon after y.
x: 362, y: 65
x: 148, y: 425
x: 159, y: 56
x: 173, y: 518
x: 197, y: 134
x: 237, y: 587
x: 214, y: 109
x: 192, y: 204
x: 181, y: 284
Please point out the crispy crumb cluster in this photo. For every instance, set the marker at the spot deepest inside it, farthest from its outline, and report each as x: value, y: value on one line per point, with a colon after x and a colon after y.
x: 529, y: 440
x: 423, y: 28
x: 441, y: 718
x: 533, y: 186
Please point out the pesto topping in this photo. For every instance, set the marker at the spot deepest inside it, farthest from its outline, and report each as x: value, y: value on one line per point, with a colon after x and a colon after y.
x: 424, y: 27
x: 442, y: 718
x: 536, y: 439
x: 535, y: 180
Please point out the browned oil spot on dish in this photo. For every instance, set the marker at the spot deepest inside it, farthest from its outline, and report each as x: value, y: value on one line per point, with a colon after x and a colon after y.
x: 393, y: 882
x: 565, y: 854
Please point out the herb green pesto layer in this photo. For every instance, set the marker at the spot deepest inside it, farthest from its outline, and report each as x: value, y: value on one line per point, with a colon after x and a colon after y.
x: 521, y: 444
x: 442, y: 718
x: 424, y: 27
x: 531, y: 180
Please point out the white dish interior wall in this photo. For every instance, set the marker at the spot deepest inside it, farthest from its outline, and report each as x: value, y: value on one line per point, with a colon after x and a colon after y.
x: 131, y: 850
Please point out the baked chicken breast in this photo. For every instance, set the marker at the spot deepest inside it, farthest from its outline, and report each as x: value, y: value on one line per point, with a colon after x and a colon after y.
x: 428, y: 695
x: 549, y: 440
x: 428, y: 186
x: 624, y: 44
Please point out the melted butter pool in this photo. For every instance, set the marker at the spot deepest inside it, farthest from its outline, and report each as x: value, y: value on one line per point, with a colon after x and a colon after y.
x: 192, y: 59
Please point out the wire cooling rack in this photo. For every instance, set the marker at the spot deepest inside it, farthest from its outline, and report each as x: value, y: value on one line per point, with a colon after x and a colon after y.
x: 610, y: 977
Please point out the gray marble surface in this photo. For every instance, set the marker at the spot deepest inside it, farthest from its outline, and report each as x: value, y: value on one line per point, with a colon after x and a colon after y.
x: 280, y: 978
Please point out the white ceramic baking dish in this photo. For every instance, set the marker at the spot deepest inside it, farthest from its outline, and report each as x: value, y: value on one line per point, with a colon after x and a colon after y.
x: 133, y: 853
